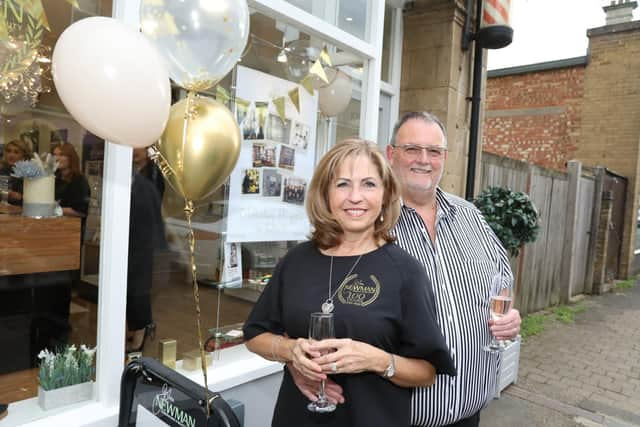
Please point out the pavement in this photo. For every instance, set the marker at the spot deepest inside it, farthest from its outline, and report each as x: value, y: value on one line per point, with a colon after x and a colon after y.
x: 585, y: 373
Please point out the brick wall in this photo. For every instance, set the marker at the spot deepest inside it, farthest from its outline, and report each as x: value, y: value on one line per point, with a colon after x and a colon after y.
x: 535, y: 116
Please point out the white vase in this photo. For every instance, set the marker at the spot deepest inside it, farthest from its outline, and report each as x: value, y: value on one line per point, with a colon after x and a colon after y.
x: 50, y: 399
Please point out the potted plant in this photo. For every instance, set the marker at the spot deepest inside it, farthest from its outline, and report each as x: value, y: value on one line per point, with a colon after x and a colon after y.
x: 65, y: 376
x: 511, y: 215
x: 514, y: 218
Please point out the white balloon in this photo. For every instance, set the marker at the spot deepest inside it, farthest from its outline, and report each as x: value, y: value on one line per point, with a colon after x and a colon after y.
x: 112, y: 81
x: 334, y: 98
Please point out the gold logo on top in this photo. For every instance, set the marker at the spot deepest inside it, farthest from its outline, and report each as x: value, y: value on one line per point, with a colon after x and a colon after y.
x: 355, y: 291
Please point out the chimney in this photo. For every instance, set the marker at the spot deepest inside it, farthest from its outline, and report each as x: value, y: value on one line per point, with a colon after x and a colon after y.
x: 619, y: 12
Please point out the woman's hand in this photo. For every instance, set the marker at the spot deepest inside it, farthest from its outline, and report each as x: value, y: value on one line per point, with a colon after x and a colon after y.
x: 302, y: 355
x: 349, y: 357
x: 310, y: 387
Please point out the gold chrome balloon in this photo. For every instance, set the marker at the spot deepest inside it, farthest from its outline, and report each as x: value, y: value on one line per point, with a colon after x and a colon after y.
x: 199, y: 147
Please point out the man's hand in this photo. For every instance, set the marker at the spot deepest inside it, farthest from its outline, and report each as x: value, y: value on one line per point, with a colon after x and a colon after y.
x: 310, y: 387
x: 507, y: 327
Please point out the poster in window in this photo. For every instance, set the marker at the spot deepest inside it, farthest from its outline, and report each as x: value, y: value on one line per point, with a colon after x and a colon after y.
x: 268, y: 187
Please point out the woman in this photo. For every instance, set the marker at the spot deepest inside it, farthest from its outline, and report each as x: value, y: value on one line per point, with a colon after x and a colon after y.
x: 146, y: 234
x: 388, y: 340
x: 14, y: 151
x: 72, y: 188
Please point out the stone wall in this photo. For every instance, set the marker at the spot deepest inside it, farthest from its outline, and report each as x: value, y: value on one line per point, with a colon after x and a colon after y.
x: 436, y: 77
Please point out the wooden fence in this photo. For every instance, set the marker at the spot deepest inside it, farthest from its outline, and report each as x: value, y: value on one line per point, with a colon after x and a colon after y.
x: 552, y: 269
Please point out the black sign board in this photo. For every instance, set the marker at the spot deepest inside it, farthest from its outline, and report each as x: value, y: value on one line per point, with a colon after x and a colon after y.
x: 169, y: 397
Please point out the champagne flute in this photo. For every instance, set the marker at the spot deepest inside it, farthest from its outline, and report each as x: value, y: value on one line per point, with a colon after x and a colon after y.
x: 321, y: 327
x: 500, y: 298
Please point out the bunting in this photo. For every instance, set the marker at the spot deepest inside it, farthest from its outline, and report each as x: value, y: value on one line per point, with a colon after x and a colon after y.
x: 279, y: 104
x: 294, y: 96
x: 318, y: 70
x: 324, y: 55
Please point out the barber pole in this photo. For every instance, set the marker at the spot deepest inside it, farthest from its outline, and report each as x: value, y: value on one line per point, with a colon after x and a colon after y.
x: 496, y: 12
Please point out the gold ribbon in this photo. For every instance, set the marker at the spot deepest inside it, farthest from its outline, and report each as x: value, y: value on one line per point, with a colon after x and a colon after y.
x: 294, y: 96
x: 188, y: 211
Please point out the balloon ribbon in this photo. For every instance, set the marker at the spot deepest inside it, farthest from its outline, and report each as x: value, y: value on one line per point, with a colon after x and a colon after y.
x: 188, y: 211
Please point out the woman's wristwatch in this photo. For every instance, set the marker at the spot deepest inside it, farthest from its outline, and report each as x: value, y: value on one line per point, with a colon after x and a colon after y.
x: 391, y: 369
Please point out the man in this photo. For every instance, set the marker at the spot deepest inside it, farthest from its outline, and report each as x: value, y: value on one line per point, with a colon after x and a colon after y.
x: 461, y: 255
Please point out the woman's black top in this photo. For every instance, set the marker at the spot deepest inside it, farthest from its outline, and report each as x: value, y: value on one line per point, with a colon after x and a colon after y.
x: 386, y: 302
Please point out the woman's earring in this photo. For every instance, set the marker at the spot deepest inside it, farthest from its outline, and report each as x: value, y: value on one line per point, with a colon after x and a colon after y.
x: 381, y: 217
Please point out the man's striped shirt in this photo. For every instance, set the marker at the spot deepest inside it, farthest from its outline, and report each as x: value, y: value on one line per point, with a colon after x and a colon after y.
x: 461, y: 263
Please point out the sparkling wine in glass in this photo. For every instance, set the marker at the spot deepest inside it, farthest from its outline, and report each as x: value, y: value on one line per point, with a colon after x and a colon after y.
x: 320, y: 328
x: 500, y: 298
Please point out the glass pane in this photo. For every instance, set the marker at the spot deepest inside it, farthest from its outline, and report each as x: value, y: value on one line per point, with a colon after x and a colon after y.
x: 352, y: 16
x: 386, y: 44
x: 384, y: 121
x: 236, y: 249
x: 49, y: 256
x: 348, y: 15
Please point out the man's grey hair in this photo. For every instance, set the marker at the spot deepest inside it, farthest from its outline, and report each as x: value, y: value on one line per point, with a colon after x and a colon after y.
x: 425, y: 116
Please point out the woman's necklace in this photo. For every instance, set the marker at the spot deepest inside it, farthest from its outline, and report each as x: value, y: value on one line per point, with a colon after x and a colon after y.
x: 327, y: 306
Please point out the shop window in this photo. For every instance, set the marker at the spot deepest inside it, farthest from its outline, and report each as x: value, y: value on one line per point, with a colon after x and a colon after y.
x: 249, y: 223
x: 49, y: 254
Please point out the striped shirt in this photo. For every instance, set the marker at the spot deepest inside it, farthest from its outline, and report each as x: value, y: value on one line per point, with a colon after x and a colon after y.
x: 461, y: 264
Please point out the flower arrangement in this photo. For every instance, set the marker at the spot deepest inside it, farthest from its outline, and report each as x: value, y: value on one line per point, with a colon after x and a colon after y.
x: 66, y: 367
x: 36, y: 167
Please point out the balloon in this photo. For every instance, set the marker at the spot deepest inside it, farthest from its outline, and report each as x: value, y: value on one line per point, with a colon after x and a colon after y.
x: 201, y: 150
x: 334, y: 98
x: 112, y: 81
x: 301, y: 55
x: 201, y: 40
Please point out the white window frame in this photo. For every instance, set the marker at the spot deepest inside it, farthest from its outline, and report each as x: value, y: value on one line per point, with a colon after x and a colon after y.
x: 116, y: 202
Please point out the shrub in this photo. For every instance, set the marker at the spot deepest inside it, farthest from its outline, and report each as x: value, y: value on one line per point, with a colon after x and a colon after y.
x: 511, y: 215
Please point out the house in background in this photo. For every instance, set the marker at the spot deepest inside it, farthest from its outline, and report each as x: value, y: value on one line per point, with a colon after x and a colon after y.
x: 585, y: 108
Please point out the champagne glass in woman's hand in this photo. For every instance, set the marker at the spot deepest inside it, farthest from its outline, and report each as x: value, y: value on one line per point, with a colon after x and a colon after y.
x: 500, y: 297
x: 320, y: 328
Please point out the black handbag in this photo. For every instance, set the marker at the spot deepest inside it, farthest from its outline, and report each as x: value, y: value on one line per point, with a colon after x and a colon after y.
x: 148, y: 385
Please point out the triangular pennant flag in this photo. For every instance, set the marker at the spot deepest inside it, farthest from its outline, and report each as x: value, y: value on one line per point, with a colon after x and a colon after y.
x: 307, y: 83
x: 36, y: 11
x: 222, y: 95
x: 294, y: 96
x: 317, y: 70
x: 279, y: 103
x: 324, y: 55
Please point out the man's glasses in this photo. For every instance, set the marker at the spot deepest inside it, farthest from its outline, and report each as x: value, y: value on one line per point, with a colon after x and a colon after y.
x: 414, y: 151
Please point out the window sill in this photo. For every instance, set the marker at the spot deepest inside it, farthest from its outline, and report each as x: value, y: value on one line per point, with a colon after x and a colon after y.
x: 236, y: 366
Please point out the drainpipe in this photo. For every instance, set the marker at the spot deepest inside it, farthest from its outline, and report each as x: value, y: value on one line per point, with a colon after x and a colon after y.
x: 495, y: 34
x: 475, y: 103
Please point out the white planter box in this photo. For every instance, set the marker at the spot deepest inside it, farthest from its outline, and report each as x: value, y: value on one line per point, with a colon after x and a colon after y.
x: 50, y: 399
x: 509, y: 361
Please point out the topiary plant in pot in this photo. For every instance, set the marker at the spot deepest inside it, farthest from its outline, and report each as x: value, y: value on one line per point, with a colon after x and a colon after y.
x: 511, y: 215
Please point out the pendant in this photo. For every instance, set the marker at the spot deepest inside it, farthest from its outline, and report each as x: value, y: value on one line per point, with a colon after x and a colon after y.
x: 327, y: 306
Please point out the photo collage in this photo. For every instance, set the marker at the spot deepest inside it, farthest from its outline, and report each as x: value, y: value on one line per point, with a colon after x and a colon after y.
x: 274, y: 144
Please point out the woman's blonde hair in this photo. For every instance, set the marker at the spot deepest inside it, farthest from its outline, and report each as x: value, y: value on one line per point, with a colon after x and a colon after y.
x: 326, y: 230
x: 24, y: 147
